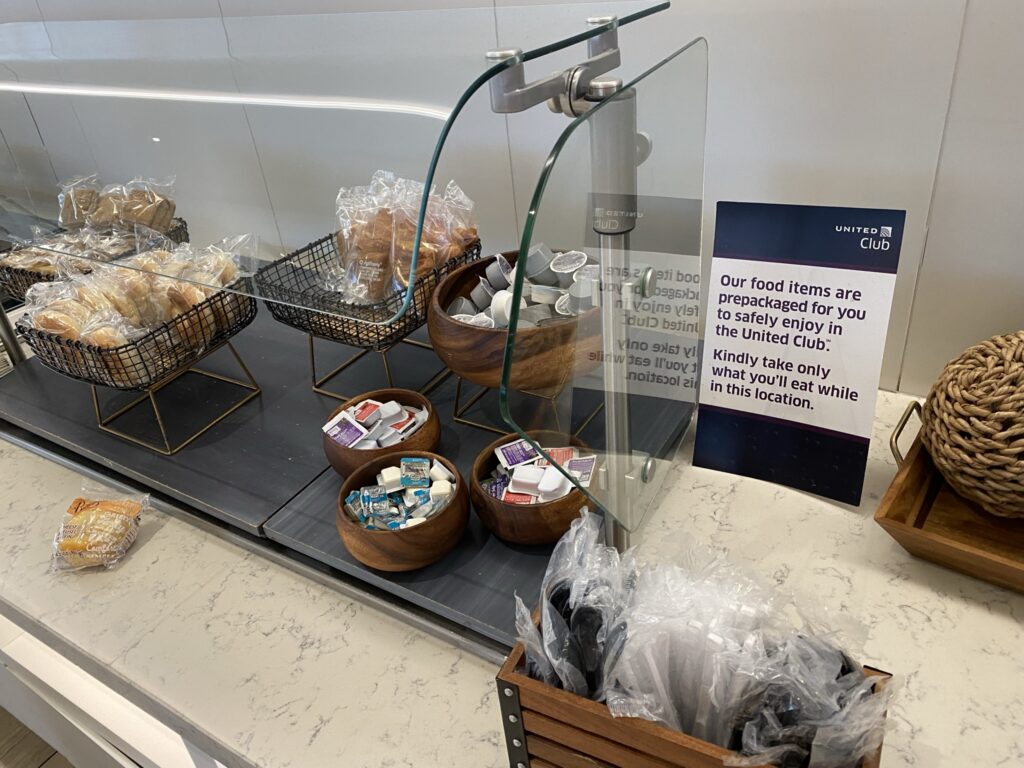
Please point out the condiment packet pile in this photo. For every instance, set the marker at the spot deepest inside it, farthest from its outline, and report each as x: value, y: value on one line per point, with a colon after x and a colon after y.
x: 407, y: 494
x: 523, y: 476
x: 371, y: 424
x: 556, y: 285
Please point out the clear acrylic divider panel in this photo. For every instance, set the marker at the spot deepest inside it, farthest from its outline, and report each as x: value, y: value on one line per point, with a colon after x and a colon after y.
x: 614, y: 362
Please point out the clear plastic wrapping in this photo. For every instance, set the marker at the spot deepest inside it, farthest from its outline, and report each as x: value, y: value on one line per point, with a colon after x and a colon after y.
x: 78, y: 198
x: 113, y: 305
x: 98, y: 529
x: 704, y: 648
x: 149, y: 202
x: 377, y: 233
x: 68, y: 253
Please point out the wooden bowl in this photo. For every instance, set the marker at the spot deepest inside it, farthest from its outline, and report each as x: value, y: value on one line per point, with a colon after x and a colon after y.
x: 524, y: 523
x: 412, y: 548
x: 345, y: 460
x: 547, y: 357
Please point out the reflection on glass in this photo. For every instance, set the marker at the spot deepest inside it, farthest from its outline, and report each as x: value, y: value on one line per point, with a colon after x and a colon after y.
x: 606, y: 331
x: 214, y: 103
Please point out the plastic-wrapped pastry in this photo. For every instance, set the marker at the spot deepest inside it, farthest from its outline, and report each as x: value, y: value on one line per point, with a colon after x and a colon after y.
x: 58, y: 254
x: 96, y: 532
x: 377, y: 233
x: 113, y: 305
x: 140, y: 201
x: 77, y: 199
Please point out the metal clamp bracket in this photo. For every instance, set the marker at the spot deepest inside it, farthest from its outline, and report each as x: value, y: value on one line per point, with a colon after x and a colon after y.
x: 565, y: 92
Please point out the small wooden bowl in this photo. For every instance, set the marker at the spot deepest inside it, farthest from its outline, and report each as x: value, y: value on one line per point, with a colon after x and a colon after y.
x: 524, y: 523
x: 547, y: 357
x: 403, y: 550
x: 345, y: 460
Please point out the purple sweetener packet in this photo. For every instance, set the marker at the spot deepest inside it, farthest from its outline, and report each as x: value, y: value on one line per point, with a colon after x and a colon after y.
x: 582, y: 468
x: 346, y: 432
x: 516, y: 453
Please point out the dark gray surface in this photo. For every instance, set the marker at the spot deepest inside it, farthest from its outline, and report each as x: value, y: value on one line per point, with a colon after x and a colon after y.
x: 473, y: 585
x: 263, y: 471
x: 241, y: 471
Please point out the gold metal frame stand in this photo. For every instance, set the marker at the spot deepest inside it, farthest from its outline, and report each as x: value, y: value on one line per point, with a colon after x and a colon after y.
x: 318, y: 383
x: 459, y: 412
x: 103, y: 422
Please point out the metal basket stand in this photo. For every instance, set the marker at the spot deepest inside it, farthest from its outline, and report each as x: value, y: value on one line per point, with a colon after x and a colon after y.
x: 551, y: 398
x: 293, y: 290
x: 149, y: 393
x: 319, y: 383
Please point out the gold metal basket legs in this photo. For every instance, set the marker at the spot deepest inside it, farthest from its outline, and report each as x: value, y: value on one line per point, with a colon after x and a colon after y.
x: 165, y: 447
x: 320, y: 383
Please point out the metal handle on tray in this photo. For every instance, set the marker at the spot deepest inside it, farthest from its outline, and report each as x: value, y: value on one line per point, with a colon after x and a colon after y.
x: 912, y: 407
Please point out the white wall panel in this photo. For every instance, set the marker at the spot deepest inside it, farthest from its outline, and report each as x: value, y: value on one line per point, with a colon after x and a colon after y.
x: 972, y: 280
x: 821, y: 103
x: 219, y: 186
x: 838, y: 104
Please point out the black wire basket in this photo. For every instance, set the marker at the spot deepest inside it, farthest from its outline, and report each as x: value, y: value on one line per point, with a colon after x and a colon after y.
x: 293, y: 290
x: 158, y: 354
x: 16, y: 281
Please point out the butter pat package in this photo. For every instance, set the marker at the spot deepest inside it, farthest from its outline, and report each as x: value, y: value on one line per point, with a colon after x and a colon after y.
x: 405, y: 495
x: 97, y: 531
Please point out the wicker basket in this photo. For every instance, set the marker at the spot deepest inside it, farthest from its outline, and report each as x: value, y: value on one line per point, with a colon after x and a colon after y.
x: 293, y: 289
x: 973, y: 424
x: 17, y: 281
x: 149, y: 359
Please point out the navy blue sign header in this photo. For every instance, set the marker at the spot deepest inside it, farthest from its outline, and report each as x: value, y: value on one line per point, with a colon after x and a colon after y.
x: 843, y: 238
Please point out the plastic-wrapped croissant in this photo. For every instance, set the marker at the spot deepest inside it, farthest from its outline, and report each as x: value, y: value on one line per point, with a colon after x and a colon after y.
x: 377, y: 233
x: 113, y: 305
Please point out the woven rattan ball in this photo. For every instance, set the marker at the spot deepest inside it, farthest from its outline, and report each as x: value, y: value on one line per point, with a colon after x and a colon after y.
x: 974, y: 424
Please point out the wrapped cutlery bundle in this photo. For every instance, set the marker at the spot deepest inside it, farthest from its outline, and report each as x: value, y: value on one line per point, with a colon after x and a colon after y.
x: 703, y: 649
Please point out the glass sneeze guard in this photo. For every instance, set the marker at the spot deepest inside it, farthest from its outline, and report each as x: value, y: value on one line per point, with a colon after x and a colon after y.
x: 622, y: 188
x: 286, y: 199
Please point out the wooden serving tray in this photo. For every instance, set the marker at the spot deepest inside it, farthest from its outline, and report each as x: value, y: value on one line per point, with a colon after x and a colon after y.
x: 547, y: 727
x: 932, y: 521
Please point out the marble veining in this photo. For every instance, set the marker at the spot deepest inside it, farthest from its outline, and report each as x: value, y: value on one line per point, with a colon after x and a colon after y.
x: 281, y: 671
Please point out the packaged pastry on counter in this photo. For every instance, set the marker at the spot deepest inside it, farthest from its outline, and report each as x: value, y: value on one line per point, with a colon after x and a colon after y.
x: 98, y: 529
x: 377, y: 233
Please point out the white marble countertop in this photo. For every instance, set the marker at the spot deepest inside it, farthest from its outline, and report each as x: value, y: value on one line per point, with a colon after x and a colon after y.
x: 262, y: 666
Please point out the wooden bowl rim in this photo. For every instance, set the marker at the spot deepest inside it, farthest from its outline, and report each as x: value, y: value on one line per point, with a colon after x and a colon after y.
x: 419, y: 396
x: 340, y: 511
x: 475, y: 481
x: 435, y: 303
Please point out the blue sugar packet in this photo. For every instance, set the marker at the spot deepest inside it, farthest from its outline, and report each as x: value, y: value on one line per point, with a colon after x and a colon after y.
x: 375, y: 499
x: 354, y: 506
x: 415, y: 472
